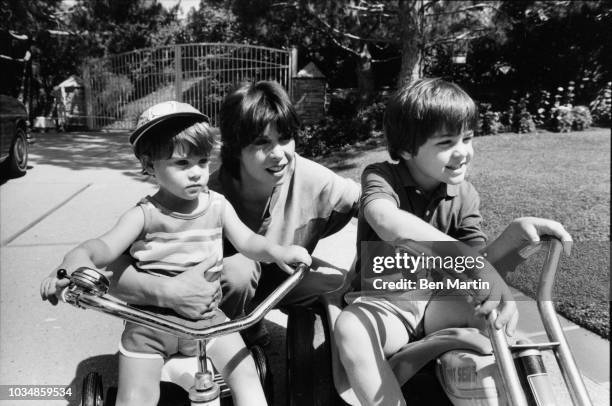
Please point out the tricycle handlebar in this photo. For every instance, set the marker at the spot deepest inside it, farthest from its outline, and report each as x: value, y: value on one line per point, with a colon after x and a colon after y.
x: 78, y: 295
x: 561, y: 349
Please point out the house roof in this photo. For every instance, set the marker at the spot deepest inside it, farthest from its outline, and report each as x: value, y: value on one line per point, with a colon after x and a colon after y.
x: 310, y: 71
x: 72, y: 81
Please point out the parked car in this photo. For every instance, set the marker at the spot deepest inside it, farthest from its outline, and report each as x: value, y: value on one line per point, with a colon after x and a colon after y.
x: 14, y: 137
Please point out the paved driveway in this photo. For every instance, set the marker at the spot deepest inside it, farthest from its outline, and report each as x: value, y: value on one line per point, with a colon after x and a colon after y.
x: 76, y: 187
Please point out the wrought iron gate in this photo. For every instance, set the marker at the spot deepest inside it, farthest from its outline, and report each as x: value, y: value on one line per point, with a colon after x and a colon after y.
x: 120, y: 87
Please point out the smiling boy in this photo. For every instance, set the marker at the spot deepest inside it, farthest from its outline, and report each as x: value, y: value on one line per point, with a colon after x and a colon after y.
x: 429, y: 126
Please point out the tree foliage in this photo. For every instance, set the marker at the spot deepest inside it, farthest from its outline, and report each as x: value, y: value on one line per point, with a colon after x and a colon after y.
x: 511, y: 45
x: 366, y: 40
x: 114, y: 26
x: 212, y: 21
x: 539, y: 46
x: 553, y: 42
x: 62, y: 38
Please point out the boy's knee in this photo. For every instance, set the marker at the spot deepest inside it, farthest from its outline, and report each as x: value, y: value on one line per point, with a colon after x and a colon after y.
x: 348, y: 328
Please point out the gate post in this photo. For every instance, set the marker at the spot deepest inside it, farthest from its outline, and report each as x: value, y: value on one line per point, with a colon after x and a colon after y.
x: 87, y: 81
x: 178, y: 74
x: 293, y: 64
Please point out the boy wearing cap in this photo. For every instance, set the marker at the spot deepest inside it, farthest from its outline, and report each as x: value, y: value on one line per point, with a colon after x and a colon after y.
x: 179, y: 226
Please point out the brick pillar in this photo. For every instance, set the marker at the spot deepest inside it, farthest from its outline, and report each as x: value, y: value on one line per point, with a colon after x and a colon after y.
x: 309, y: 87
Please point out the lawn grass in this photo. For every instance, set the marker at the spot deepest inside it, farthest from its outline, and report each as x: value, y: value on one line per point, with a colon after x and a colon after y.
x: 565, y: 177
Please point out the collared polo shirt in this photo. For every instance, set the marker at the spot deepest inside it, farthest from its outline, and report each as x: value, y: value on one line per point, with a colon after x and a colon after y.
x: 312, y: 203
x: 452, y: 209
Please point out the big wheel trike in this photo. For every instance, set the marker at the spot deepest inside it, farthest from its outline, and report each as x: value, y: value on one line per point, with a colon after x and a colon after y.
x: 88, y: 289
x: 456, y: 370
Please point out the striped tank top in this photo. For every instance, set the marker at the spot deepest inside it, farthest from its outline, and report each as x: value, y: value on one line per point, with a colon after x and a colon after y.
x: 171, y: 242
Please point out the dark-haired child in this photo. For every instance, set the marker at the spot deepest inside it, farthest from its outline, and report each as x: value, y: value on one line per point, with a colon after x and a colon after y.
x: 167, y: 233
x: 429, y: 126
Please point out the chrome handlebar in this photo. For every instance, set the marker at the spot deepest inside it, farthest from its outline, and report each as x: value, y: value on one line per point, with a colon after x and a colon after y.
x: 88, y: 289
x: 559, y: 344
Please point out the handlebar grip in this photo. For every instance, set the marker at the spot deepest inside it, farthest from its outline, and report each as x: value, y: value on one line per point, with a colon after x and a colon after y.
x: 549, y: 269
x: 300, y: 266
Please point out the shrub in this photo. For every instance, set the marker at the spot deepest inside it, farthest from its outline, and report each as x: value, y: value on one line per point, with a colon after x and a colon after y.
x: 541, y: 116
x: 343, y: 102
x: 562, y: 118
x: 110, y: 91
x: 508, y: 115
x: 517, y: 118
x: 600, y: 106
x: 581, y: 118
x: 327, y: 135
x: 372, y: 115
x: 525, y: 123
x: 488, y: 120
x: 568, y: 96
x: 333, y: 132
x: 312, y: 141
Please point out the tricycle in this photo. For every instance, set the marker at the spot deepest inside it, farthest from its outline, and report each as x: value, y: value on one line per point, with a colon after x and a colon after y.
x: 88, y: 289
x: 451, y: 367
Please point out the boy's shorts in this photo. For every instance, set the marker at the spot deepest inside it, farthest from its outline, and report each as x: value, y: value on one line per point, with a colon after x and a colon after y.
x: 410, y: 312
x: 143, y: 342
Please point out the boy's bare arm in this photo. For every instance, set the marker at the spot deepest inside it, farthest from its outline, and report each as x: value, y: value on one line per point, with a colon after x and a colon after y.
x: 394, y: 224
x: 95, y: 253
x: 259, y: 248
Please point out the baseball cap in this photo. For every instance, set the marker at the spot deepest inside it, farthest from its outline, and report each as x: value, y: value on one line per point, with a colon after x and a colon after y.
x: 162, y: 112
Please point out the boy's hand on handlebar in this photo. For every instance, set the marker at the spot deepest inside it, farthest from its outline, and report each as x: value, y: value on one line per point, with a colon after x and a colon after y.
x: 498, y: 297
x: 51, y: 287
x: 291, y: 255
x: 528, y: 230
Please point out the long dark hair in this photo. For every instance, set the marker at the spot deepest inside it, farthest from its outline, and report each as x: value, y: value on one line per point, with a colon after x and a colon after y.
x: 246, y: 113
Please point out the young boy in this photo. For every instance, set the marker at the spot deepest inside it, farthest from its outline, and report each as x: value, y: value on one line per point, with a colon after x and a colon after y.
x: 429, y: 127
x: 179, y: 226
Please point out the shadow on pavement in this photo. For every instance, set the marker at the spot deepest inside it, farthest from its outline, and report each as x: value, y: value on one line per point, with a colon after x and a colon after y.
x: 106, y: 365
x: 89, y: 150
x: 349, y: 158
x: 86, y: 150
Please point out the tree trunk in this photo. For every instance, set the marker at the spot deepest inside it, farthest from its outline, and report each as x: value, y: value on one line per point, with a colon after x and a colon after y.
x: 365, y: 77
x: 410, y: 26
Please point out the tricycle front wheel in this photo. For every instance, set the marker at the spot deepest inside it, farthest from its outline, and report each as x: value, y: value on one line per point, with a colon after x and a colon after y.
x: 93, y: 391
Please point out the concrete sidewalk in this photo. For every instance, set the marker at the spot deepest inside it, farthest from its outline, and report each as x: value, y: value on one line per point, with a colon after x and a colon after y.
x: 591, y: 352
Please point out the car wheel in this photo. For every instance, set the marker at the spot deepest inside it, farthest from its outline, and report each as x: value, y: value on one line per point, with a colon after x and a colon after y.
x: 18, y: 159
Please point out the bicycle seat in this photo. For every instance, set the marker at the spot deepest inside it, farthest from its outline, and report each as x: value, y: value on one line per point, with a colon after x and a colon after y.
x: 415, y: 355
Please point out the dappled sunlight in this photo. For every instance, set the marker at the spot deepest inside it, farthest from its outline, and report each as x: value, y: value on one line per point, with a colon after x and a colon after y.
x: 82, y: 150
